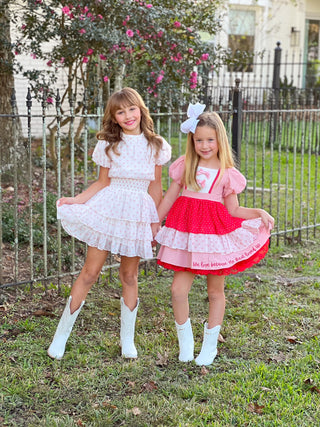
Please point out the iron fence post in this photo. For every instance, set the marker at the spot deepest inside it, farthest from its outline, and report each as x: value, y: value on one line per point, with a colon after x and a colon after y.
x: 276, y: 88
x: 236, y: 121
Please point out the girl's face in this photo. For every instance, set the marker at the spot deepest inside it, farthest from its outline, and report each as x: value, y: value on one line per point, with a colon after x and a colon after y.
x: 129, y: 119
x: 206, y: 145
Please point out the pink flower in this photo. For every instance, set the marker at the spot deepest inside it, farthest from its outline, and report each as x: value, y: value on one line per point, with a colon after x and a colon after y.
x: 105, y: 78
x: 49, y: 100
x: 204, y: 56
x: 190, y: 50
x: 33, y: 56
x: 102, y: 57
x: 90, y: 52
x: 198, y: 61
x: 100, y: 16
x: 148, y: 6
x: 160, y: 34
x: 159, y: 78
x: 82, y: 31
x: 49, y: 63
x: 177, y: 24
x: 85, y: 59
x: 193, y: 80
x: 129, y: 33
x: 62, y: 60
x: 23, y: 27
x: 66, y: 10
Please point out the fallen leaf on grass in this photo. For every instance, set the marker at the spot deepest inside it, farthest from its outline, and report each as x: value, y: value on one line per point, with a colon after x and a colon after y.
x: 107, y: 404
x: 265, y: 388
x: 150, y: 386
x: 277, y: 358
x: 204, y: 370
x: 131, y: 384
x: 286, y: 256
x: 255, y: 408
x: 135, y: 411
x: 313, y: 388
x: 293, y: 340
x: 162, y: 359
x: 42, y: 312
x: 79, y: 423
x: 221, y: 339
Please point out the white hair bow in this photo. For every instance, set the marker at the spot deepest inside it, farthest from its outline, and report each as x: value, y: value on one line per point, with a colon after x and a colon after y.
x: 193, y: 112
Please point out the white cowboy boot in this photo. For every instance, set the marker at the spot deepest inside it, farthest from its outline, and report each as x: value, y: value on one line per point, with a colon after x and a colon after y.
x: 186, y: 343
x: 58, y: 345
x: 128, y: 320
x: 209, y: 346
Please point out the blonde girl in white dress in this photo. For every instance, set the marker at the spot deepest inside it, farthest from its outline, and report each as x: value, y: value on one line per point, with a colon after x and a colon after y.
x: 115, y: 213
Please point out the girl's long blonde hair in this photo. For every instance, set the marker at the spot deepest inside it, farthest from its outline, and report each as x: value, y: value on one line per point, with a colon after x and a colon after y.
x: 111, y: 131
x: 214, y: 121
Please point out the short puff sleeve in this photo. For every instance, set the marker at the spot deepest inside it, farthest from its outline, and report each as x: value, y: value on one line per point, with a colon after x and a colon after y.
x: 164, y: 154
x: 176, y: 170
x: 235, y: 182
x: 99, y: 155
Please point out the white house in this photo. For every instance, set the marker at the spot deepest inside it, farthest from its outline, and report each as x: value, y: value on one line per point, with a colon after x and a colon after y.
x: 257, y: 26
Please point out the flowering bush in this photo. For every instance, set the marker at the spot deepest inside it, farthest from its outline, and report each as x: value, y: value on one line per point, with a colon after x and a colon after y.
x: 151, y: 46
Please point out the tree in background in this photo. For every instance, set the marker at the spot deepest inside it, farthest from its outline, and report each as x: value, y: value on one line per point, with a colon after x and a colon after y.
x: 152, y: 46
x: 10, y: 129
x: 103, y: 45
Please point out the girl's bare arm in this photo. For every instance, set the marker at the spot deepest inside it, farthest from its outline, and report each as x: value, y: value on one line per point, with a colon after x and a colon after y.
x: 232, y: 204
x: 155, y: 187
x: 102, y: 181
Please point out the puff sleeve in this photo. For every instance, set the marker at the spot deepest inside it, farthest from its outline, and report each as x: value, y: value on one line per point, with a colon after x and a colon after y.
x: 99, y: 155
x: 235, y: 182
x: 164, y: 154
x: 176, y: 170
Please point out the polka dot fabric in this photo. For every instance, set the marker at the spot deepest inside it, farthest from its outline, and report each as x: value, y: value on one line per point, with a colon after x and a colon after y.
x: 118, y: 217
x: 202, y: 237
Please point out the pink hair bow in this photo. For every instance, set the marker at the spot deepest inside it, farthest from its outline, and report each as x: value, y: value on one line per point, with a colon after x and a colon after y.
x: 193, y: 112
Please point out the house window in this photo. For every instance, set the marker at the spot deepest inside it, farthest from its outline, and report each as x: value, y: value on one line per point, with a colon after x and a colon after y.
x: 313, y: 58
x: 241, y: 39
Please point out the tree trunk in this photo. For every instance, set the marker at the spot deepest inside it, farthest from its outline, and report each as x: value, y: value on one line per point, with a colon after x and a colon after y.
x: 10, y: 127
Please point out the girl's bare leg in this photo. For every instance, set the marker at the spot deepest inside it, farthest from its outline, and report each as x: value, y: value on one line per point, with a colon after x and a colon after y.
x: 87, y: 277
x: 129, y: 279
x: 180, y: 288
x: 215, y: 287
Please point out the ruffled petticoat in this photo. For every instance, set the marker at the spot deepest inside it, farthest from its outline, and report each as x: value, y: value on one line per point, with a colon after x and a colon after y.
x: 116, y: 219
x: 202, y: 237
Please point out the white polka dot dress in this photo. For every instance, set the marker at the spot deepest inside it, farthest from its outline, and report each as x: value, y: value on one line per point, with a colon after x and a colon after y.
x: 118, y: 217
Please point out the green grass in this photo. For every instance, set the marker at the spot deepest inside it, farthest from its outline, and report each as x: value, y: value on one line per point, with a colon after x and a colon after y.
x: 266, y: 372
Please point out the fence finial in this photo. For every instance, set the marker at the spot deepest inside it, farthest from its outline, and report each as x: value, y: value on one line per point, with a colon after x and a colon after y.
x: 29, y: 97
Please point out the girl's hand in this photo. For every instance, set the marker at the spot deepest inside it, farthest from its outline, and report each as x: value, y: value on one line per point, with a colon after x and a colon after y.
x: 155, y: 227
x: 66, y: 201
x: 267, y: 219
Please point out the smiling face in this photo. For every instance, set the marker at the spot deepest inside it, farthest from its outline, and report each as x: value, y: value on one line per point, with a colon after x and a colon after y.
x: 129, y: 119
x: 206, y: 146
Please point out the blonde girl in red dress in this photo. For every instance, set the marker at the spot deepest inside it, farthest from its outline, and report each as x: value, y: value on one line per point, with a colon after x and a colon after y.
x: 206, y: 231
